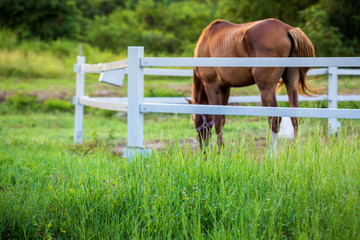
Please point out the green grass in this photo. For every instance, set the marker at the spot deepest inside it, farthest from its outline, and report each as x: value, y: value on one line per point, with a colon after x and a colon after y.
x: 50, y: 188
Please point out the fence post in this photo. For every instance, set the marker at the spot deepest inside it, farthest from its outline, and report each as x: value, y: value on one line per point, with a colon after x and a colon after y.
x: 333, y: 123
x: 80, y: 90
x: 135, y: 118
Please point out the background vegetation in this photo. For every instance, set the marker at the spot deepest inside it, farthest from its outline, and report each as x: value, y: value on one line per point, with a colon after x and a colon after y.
x: 173, y: 26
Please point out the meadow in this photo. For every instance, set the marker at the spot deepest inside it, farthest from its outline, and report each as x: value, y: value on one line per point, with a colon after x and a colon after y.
x: 51, y: 188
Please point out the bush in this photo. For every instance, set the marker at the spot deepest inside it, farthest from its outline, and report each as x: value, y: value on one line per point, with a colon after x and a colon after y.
x: 31, y: 64
x: 116, y: 31
x: 160, y: 28
x: 51, y: 105
x: 63, y: 48
x: 41, y: 18
x: 53, y: 59
x: 22, y: 102
x: 8, y: 38
x: 326, y: 38
x: 25, y: 102
x: 158, y: 42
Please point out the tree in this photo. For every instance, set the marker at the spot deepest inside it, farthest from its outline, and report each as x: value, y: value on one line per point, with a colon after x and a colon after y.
x: 245, y: 11
x: 40, y: 18
x: 345, y: 16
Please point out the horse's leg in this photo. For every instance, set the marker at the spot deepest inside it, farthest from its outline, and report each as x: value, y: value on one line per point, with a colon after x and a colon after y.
x: 215, y: 97
x: 291, y: 77
x: 267, y: 79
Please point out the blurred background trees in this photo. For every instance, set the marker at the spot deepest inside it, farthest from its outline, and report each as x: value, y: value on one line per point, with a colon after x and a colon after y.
x: 173, y: 26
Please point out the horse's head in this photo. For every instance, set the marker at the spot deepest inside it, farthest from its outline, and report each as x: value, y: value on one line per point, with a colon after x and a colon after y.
x: 203, y: 125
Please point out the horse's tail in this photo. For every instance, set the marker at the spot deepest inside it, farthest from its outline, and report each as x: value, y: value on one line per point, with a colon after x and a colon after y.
x: 303, y: 48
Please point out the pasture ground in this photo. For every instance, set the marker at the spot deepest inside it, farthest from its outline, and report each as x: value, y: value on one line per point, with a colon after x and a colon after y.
x: 53, y: 189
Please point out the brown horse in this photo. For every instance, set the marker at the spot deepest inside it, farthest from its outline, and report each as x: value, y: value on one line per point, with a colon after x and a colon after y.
x: 266, y: 38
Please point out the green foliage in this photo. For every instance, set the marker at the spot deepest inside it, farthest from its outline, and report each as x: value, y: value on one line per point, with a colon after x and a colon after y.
x: 45, y: 59
x: 187, y: 20
x: 326, y: 38
x: 22, y: 102
x: 173, y: 26
x: 8, y: 38
x: 25, y: 102
x: 41, y: 18
x: 345, y: 15
x: 245, y: 11
x: 51, y: 105
x: 115, y: 31
x: 160, y: 28
x: 30, y: 64
x: 89, y: 9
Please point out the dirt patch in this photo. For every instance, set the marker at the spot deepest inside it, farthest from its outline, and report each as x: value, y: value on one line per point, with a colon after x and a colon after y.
x: 260, y: 143
x: 161, y: 145
x: 104, y: 93
x: 41, y: 95
x: 192, y: 145
x: 45, y: 95
x: 3, y: 96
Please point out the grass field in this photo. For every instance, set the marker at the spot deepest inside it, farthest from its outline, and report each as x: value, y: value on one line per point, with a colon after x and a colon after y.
x: 51, y: 188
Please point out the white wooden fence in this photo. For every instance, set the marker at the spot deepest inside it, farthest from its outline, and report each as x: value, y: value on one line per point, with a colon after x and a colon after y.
x: 136, y: 66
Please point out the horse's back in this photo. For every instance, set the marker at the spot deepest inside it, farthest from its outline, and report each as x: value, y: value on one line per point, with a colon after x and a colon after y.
x: 260, y: 38
x: 217, y: 39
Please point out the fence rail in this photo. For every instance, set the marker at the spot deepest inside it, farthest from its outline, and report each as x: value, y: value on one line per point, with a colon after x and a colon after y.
x: 250, y: 62
x: 189, y: 73
x: 136, y: 66
x: 120, y: 103
x: 102, y: 67
x: 250, y: 111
